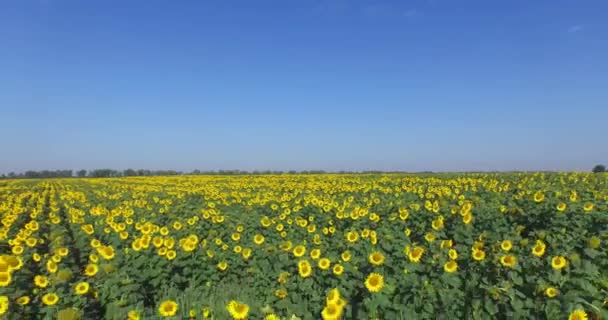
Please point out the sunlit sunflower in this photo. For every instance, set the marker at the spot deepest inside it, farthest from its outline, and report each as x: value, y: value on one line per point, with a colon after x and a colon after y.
x: 304, y: 268
x: 539, y: 196
x: 374, y: 282
x: 258, y: 239
x: 50, y: 299
x: 352, y: 236
x: 41, y: 281
x: 238, y: 310
x: 376, y: 258
x: 324, y: 263
x: 453, y: 254
x: 133, y: 315
x: 299, y: 251
x: 551, y: 292
x: 539, y: 248
x: 450, y: 266
x: 167, y: 308
x: 558, y: 262
x: 81, y: 288
x: 333, y: 296
x: 578, y: 315
x: 345, y: 256
x: 23, y: 300
x: 414, y: 255
x: 5, y: 279
x: 338, y: 269
x: 478, y: 255
x: 91, y: 270
x: 331, y: 312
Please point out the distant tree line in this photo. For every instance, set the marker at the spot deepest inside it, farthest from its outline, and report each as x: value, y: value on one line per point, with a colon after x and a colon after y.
x: 110, y: 173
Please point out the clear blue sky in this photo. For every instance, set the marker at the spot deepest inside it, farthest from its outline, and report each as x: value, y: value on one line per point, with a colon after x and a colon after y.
x: 304, y: 84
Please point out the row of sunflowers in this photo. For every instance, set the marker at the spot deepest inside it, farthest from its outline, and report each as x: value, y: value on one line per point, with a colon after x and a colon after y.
x: 392, y: 246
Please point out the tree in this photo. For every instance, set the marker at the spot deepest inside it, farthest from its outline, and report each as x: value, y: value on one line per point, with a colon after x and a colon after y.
x: 129, y: 173
x: 599, y: 168
x: 81, y: 173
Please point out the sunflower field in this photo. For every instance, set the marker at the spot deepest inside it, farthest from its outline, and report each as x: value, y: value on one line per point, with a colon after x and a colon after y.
x: 350, y: 246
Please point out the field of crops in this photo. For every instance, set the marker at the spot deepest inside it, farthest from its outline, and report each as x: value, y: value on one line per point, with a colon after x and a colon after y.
x: 475, y: 246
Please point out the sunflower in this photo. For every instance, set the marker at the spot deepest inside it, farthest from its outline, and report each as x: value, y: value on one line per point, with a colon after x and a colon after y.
x: 95, y: 243
x: 345, y: 256
x: 338, y: 269
x: 237, y: 310
x: 23, y: 300
x: 352, y: 236
x: 222, y: 265
x: 258, y: 239
x: 453, y: 254
x: 445, y: 244
x: 17, y: 250
x: 558, y: 262
x: 587, y: 207
x: 50, y: 299
x: 280, y: 293
x: 539, y: 196
x: 283, y: 277
x: 578, y: 314
x: 594, y: 242
x: 5, y: 279
x: 324, y: 263
x: 41, y: 281
x: 51, y: 266
x: 91, y: 270
x: 331, y: 312
x: 133, y: 315
x: 63, y: 252
x: 374, y: 282
x: 508, y: 260
x: 450, y: 266
x: 81, y: 288
x: 376, y: 258
x: 299, y: 251
x: 333, y: 296
x: 415, y: 254
x: 315, y: 254
x: 4, y: 303
x: 171, y: 254
x: 106, y: 252
x: 539, y: 248
x: 304, y: 268
x: 437, y: 224
x: 272, y: 316
x: 551, y: 292
x: 429, y: 237
x: 506, y: 245
x: 246, y: 253
x: 561, y: 207
x: 467, y: 218
x: 167, y: 308
x: 478, y: 254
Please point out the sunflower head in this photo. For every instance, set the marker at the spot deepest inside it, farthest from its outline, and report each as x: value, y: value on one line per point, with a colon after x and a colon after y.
x: 374, y: 282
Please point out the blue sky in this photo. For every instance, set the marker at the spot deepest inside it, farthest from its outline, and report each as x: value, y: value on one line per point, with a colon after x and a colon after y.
x: 303, y: 84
